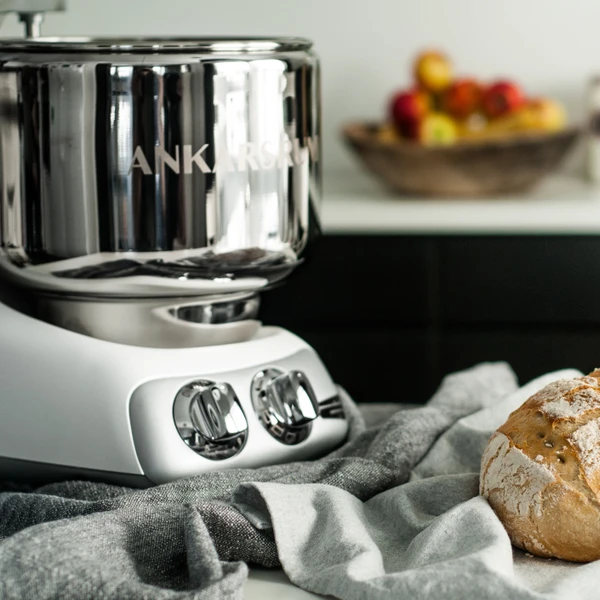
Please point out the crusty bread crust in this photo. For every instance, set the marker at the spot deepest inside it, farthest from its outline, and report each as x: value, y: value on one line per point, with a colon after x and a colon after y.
x: 540, y: 471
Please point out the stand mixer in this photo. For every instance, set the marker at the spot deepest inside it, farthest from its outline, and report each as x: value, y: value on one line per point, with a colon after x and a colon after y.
x: 149, y: 191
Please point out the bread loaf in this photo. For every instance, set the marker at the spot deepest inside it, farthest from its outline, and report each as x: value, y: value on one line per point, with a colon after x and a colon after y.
x: 540, y: 471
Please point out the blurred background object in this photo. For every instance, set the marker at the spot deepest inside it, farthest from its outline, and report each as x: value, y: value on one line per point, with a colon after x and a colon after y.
x: 487, y: 167
x: 446, y: 137
x: 367, y: 51
x: 593, y: 135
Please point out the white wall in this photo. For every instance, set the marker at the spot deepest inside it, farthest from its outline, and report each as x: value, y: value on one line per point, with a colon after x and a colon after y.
x: 551, y: 46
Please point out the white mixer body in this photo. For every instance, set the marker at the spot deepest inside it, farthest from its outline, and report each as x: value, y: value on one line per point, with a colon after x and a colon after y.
x: 150, y: 190
x: 75, y: 406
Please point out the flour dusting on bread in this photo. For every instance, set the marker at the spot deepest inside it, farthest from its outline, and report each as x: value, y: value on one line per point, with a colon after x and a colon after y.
x: 570, y: 398
x: 516, y: 477
x: 586, y: 440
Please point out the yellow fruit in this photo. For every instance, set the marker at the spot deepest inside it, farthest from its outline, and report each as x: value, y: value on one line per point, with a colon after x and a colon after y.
x: 437, y: 129
x: 482, y: 129
x: 513, y: 122
x: 433, y: 71
x: 545, y: 115
x: 535, y: 115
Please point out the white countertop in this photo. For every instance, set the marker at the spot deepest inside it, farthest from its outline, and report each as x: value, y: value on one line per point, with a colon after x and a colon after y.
x: 263, y: 584
x: 355, y: 202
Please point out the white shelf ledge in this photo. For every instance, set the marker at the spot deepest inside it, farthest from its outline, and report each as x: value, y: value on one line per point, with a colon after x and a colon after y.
x: 356, y: 203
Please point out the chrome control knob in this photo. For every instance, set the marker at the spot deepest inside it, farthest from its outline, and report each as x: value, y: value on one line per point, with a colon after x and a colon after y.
x: 285, y: 404
x: 210, y: 419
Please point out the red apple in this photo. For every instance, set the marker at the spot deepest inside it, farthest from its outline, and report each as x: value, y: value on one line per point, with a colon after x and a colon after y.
x: 433, y: 71
x: 462, y: 98
x: 407, y: 109
x: 501, y: 98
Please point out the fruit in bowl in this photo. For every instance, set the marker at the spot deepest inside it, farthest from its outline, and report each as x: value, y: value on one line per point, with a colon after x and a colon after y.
x: 407, y: 111
x: 413, y: 119
x: 493, y: 165
x: 501, y: 98
x: 463, y: 98
x: 545, y: 114
x: 447, y: 136
x: 433, y: 71
x: 440, y: 110
x: 437, y: 129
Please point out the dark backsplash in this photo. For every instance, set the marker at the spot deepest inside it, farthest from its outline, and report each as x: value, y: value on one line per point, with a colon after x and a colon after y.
x: 391, y: 315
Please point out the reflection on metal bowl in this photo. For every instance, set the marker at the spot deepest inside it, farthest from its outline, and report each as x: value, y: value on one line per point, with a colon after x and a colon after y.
x: 157, y: 323
x: 217, y: 313
x: 156, y: 167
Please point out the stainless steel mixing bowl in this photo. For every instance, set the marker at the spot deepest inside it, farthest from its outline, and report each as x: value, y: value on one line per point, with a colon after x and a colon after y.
x: 157, y: 167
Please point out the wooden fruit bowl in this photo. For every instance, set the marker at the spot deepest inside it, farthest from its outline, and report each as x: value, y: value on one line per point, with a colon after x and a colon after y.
x: 469, y: 168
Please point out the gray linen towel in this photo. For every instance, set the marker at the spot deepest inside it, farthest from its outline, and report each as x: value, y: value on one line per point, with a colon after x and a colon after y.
x: 432, y: 538
x: 350, y: 525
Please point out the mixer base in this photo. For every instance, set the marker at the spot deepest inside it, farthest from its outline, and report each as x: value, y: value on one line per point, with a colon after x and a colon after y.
x: 97, y: 409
